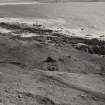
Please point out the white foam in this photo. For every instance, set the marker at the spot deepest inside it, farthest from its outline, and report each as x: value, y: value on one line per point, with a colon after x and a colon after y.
x: 28, y: 35
x: 55, y: 25
x: 3, y: 30
x: 35, y: 20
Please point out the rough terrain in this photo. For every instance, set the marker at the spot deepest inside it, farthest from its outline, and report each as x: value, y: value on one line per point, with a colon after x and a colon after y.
x: 40, y: 66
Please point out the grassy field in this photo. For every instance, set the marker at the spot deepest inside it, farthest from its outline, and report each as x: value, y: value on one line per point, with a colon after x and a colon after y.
x: 48, y: 68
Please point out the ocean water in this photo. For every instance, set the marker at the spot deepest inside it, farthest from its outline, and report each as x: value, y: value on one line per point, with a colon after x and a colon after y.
x: 90, y: 15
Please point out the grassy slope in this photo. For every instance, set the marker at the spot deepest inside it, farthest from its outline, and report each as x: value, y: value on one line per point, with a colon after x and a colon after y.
x: 33, y: 71
x: 75, y: 81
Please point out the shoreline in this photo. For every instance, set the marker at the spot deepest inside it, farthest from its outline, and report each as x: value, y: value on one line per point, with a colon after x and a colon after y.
x: 56, y: 25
